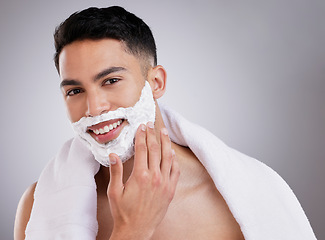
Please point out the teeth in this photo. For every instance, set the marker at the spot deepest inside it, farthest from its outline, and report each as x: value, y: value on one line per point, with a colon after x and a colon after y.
x: 106, y: 129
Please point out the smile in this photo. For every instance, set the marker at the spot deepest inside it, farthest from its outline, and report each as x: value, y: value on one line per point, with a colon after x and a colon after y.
x: 105, y: 129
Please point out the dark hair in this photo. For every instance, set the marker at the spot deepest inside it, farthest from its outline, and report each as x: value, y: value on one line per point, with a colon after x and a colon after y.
x: 111, y: 22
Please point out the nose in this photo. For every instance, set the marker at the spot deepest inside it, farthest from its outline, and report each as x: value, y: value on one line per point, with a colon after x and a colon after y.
x: 96, y: 104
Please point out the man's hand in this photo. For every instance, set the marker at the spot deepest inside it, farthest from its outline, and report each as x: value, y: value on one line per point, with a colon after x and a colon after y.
x: 139, y: 205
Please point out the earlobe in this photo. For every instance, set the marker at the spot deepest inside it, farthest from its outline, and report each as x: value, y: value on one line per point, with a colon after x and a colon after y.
x: 157, y: 80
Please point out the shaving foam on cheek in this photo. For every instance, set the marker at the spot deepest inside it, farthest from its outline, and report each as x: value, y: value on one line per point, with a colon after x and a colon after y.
x: 141, y: 113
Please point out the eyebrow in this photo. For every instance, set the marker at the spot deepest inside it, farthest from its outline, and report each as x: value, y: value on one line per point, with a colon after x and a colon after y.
x: 100, y: 75
x: 66, y: 82
x: 108, y: 71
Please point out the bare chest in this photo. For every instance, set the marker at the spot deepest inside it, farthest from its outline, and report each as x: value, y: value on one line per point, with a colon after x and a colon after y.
x: 195, y: 213
x: 199, y: 213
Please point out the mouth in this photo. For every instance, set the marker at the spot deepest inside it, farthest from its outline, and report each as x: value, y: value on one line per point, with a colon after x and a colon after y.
x: 107, y: 131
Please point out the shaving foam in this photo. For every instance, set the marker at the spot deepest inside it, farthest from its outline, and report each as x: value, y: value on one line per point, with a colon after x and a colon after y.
x: 141, y: 113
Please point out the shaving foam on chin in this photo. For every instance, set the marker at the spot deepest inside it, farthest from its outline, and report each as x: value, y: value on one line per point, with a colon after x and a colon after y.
x: 141, y: 113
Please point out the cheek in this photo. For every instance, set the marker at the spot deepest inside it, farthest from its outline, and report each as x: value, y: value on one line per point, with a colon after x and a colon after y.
x: 74, y: 112
x: 134, y: 93
x: 132, y: 97
x: 126, y: 96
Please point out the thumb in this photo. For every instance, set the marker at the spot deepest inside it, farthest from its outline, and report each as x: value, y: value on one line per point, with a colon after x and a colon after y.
x: 115, y: 186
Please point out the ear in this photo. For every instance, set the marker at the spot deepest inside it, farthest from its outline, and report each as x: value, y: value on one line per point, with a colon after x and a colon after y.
x: 157, y: 79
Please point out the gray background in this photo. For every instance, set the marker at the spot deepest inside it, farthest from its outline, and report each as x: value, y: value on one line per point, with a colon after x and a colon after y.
x: 252, y: 72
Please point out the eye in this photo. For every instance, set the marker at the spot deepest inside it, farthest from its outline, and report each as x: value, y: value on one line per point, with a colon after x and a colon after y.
x: 73, y: 92
x: 111, y: 81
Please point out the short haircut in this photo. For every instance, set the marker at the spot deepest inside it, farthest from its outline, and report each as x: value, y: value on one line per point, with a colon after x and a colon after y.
x: 111, y: 22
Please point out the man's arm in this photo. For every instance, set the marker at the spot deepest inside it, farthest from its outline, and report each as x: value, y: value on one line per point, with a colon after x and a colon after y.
x: 23, y: 212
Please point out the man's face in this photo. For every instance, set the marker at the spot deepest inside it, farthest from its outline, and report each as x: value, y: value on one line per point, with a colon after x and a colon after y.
x: 98, y: 77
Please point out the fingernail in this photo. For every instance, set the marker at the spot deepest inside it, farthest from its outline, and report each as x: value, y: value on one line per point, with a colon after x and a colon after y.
x: 112, y: 160
x: 150, y: 125
x: 164, y: 131
x: 143, y: 127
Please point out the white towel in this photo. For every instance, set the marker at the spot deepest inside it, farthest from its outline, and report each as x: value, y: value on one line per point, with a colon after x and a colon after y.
x: 260, y: 200
x: 65, y: 198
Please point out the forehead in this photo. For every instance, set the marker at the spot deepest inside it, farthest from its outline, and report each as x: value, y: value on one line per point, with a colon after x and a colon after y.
x: 88, y: 57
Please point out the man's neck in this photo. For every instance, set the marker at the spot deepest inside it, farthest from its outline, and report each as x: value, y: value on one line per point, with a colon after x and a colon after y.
x: 103, y: 175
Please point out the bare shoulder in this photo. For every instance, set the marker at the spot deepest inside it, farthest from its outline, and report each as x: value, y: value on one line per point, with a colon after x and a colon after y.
x: 23, y: 212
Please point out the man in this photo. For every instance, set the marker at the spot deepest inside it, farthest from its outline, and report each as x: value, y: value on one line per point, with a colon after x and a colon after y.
x: 106, y: 59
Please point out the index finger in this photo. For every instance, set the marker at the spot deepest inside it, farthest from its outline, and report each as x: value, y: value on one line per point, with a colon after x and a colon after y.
x: 140, y: 147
